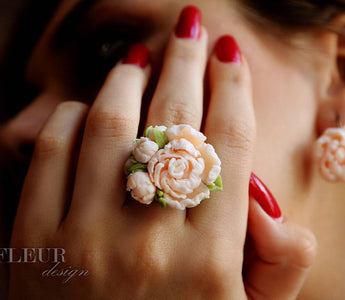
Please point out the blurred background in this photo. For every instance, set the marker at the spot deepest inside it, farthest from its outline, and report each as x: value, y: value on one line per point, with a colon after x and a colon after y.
x: 21, y: 24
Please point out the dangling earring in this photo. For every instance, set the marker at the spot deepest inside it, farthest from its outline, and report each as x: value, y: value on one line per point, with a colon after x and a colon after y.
x: 329, y: 153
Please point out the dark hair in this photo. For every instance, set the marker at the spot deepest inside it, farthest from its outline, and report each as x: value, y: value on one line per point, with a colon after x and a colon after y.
x: 293, y: 15
x: 14, y: 92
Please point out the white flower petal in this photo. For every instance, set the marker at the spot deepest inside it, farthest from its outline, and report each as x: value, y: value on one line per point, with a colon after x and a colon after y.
x: 329, y: 153
x: 177, y: 167
x: 141, y: 187
x: 169, y: 188
x: 192, y: 200
x: 212, y: 163
x: 184, y: 186
x: 187, y: 132
x: 144, y: 149
x: 183, y: 144
x: 340, y: 155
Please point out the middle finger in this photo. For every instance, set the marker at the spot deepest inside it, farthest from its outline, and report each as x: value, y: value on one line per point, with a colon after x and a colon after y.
x: 179, y: 95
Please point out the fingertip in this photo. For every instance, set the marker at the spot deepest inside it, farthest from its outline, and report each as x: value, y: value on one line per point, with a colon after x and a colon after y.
x: 189, y: 23
x: 203, y: 35
x: 138, y: 55
x: 304, y: 246
x: 227, y: 50
x: 187, y: 50
x: 228, y: 66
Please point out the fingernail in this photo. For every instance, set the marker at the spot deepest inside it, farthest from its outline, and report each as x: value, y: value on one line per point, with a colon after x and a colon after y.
x: 263, y: 196
x: 227, y: 50
x: 189, y: 23
x: 137, y: 55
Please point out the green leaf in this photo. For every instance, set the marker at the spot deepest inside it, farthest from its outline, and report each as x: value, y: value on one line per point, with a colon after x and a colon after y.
x: 147, y: 131
x: 133, y: 160
x: 160, y: 199
x: 217, y: 185
x: 138, y: 167
x: 160, y: 193
x: 162, y: 202
x: 160, y: 137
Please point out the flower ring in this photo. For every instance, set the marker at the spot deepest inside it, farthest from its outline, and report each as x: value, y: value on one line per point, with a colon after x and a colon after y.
x: 173, y: 166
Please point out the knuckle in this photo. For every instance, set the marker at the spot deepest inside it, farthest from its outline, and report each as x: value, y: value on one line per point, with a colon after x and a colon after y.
x: 87, y: 254
x: 144, y: 262
x: 306, y: 248
x: 216, y: 271
x: 69, y: 106
x: 178, y: 112
x: 218, y: 262
x: 89, y: 261
x: 48, y: 145
x: 122, y: 71
x: 89, y: 257
x: 184, y: 53
x: 25, y: 237
x: 22, y: 240
x: 238, y: 134
x: 108, y: 124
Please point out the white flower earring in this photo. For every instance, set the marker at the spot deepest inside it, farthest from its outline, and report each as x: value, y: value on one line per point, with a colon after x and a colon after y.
x: 329, y: 153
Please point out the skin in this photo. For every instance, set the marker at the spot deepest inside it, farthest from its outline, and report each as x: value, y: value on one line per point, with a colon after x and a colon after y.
x: 280, y: 88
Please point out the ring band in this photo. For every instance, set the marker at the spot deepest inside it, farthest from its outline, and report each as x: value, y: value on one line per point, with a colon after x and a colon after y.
x: 173, y: 166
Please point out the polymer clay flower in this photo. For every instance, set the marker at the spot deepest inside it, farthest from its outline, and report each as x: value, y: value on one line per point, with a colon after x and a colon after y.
x: 144, y: 149
x: 330, y: 154
x: 141, y: 187
x: 151, y: 132
x: 183, y: 169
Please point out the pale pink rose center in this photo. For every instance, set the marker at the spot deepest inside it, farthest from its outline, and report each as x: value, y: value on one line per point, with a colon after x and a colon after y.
x: 176, y: 172
x: 178, y: 167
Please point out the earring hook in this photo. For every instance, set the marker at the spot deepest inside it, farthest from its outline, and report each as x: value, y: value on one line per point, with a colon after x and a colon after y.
x: 338, y: 120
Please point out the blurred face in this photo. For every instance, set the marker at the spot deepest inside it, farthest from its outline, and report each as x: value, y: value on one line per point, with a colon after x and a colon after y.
x: 86, y: 38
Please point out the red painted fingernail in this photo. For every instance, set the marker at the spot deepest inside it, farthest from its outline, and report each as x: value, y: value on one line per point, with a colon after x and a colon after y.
x: 263, y: 196
x: 137, y: 55
x: 227, y: 50
x: 189, y: 23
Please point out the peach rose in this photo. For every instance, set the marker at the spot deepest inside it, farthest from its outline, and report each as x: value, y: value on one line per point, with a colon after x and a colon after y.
x: 330, y: 153
x: 185, y: 167
x: 143, y: 149
x: 141, y: 187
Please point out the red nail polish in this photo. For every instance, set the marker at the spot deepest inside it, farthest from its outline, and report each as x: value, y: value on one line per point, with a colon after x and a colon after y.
x: 227, y: 50
x: 189, y: 23
x: 137, y: 55
x: 263, y: 196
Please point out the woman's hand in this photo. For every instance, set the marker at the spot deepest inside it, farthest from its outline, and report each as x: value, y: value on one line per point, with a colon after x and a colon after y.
x: 135, y: 251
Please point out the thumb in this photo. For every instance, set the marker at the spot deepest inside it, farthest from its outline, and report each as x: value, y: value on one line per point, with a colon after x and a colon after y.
x: 284, y: 251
